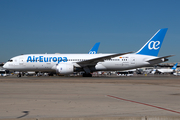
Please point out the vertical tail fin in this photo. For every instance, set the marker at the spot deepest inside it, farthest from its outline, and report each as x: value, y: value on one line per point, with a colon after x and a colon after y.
x: 153, y: 46
x: 175, y: 66
x: 94, y: 49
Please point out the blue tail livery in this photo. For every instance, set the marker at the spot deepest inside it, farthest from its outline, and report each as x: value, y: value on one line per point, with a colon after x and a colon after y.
x: 94, y: 49
x: 175, y: 66
x: 153, y: 46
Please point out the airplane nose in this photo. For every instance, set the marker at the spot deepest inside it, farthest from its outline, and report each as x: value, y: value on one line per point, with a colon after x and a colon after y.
x: 5, y: 66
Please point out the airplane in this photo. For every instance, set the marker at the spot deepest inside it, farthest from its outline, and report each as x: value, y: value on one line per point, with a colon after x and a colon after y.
x: 69, y: 63
x: 93, y: 50
x: 168, y: 70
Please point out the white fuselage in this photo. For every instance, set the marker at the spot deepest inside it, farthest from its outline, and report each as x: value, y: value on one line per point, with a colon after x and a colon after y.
x: 165, y: 70
x: 48, y: 62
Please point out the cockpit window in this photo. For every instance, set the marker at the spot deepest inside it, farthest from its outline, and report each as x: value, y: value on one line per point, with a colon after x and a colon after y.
x: 10, y: 60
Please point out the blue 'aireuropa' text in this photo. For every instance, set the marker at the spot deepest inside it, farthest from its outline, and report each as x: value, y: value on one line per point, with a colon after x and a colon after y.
x: 46, y: 59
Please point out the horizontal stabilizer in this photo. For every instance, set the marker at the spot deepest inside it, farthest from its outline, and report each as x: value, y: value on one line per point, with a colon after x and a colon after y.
x: 159, y: 59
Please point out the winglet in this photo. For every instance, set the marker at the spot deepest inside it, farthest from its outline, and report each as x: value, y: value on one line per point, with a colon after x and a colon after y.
x: 94, y: 49
x: 153, y: 46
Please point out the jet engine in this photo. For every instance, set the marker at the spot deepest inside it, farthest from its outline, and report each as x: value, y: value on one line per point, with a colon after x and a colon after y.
x: 64, y: 68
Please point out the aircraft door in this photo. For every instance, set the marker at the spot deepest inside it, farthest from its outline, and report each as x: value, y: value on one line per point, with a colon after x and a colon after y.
x: 133, y: 61
x: 16, y: 61
x: 21, y: 61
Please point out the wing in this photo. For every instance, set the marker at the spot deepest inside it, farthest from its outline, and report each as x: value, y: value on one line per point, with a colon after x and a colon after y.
x: 94, y: 61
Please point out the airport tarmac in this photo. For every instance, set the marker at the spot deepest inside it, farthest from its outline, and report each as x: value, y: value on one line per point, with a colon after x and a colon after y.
x: 96, y: 97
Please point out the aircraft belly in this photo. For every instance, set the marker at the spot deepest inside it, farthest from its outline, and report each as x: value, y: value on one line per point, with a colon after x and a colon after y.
x: 36, y: 67
x: 116, y: 66
x: 113, y: 65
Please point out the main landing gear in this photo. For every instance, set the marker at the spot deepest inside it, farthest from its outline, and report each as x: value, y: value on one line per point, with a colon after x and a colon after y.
x: 20, y: 74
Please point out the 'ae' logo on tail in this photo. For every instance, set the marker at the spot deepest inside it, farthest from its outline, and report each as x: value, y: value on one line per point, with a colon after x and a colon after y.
x: 92, y: 52
x: 154, y: 45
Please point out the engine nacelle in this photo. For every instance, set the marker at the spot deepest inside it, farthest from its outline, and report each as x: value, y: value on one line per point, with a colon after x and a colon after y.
x: 65, y: 68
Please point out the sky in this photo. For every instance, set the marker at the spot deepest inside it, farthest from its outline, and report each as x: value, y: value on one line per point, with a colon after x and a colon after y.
x: 74, y: 26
